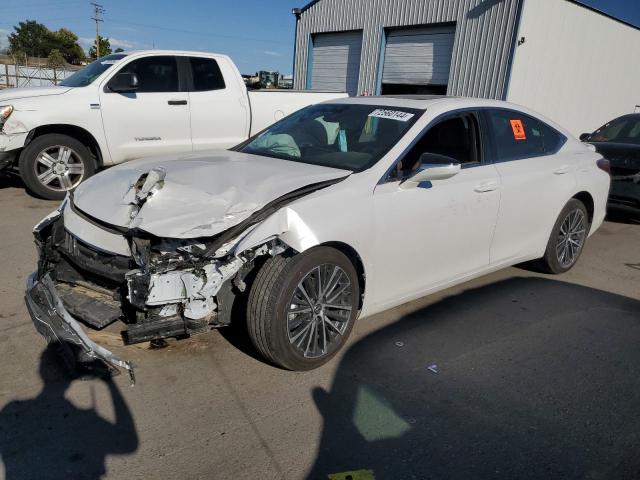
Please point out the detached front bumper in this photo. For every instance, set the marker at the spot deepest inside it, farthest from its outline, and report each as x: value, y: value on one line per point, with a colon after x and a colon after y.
x: 54, y: 323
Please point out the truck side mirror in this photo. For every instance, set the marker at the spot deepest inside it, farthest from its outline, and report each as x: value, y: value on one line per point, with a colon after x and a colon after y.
x: 124, y: 83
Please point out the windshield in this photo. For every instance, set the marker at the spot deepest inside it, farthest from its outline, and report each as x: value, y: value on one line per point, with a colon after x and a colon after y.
x: 347, y: 136
x: 620, y: 130
x: 88, y: 74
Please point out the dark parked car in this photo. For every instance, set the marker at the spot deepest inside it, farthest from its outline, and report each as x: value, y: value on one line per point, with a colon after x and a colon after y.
x: 619, y: 142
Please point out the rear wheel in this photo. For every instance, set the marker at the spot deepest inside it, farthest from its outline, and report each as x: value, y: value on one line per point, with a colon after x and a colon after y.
x: 567, y: 238
x: 53, y: 164
x: 301, y: 309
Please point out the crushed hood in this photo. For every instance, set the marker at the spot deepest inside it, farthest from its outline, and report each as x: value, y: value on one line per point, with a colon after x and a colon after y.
x: 30, y: 92
x: 196, y: 195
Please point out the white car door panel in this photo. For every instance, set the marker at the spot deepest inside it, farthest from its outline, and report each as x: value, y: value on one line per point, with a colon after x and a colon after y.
x: 536, y: 184
x: 154, y: 120
x: 425, y: 237
x: 219, y: 117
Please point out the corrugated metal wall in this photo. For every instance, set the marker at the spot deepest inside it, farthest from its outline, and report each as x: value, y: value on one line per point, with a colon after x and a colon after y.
x: 481, y: 50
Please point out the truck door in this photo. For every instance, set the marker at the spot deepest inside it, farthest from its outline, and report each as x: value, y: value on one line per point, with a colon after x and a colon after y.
x: 219, y: 114
x: 153, y: 119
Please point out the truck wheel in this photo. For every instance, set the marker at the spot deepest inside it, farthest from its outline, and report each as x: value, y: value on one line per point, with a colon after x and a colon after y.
x: 301, y: 309
x: 53, y: 164
x: 567, y: 238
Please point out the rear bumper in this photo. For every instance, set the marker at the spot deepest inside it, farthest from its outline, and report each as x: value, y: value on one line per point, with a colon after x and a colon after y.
x: 55, y: 324
x: 625, y: 191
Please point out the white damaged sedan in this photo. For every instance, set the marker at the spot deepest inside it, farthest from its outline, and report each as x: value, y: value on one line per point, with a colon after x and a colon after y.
x: 341, y: 210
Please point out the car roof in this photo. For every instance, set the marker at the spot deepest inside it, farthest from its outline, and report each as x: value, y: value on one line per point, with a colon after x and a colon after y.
x: 444, y: 103
x: 423, y: 102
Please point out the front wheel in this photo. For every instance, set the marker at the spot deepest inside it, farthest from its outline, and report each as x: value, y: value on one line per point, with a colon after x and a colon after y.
x: 567, y: 238
x: 53, y: 164
x: 301, y: 308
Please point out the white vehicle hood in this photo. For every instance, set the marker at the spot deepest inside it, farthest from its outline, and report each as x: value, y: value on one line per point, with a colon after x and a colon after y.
x: 201, y: 194
x: 18, y: 93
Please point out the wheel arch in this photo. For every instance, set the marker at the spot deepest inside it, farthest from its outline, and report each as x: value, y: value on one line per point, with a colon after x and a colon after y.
x: 355, y: 259
x: 79, y: 133
x: 587, y: 199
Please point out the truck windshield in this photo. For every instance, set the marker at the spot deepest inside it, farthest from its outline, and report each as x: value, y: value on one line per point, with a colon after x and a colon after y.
x: 88, y: 74
x: 348, y: 136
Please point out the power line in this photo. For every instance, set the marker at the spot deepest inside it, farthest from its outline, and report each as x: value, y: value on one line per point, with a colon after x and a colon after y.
x: 194, y: 32
x: 98, y: 11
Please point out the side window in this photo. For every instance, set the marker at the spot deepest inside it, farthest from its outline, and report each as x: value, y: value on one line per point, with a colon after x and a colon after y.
x: 206, y: 74
x: 520, y: 136
x: 155, y: 74
x: 457, y: 137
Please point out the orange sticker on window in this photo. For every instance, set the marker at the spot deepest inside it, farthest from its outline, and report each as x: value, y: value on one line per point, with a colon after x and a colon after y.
x: 518, y: 130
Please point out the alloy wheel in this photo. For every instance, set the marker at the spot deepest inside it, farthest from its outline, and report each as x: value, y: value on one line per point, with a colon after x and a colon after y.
x: 571, y: 237
x: 59, y: 168
x: 319, y: 311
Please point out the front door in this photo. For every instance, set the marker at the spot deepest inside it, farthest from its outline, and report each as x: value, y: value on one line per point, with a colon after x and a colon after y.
x: 439, y: 232
x: 153, y: 120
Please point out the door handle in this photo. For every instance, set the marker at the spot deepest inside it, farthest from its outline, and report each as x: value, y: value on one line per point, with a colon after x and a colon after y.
x: 177, y: 102
x: 561, y: 170
x: 484, y: 187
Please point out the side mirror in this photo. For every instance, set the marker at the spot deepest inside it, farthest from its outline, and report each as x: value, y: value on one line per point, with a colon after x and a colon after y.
x: 432, y: 167
x: 584, y: 137
x: 123, y: 83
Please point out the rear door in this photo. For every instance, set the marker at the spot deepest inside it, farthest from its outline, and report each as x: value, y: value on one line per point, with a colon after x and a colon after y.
x: 537, y: 180
x: 152, y: 120
x: 219, y: 115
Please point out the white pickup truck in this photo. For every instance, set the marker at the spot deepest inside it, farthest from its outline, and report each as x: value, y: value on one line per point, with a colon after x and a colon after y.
x: 131, y: 105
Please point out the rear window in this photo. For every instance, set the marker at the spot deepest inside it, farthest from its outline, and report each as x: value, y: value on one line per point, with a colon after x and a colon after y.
x: 206, y: 74
x: 519, y: 136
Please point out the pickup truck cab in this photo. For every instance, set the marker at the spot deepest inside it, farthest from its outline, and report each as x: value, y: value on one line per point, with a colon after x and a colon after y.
x: 131, y: 105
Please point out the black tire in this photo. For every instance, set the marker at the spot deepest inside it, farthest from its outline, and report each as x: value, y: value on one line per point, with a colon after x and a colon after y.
x: 270, y: 298
x: 30, y: 167
x: 551, y: 262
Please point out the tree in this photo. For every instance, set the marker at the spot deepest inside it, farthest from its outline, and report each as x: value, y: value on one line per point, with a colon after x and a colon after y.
x: 67, y: 43
x: 32, y: 38
x: 105, y: 48
x: 55, y: 59
x: 36, y: 40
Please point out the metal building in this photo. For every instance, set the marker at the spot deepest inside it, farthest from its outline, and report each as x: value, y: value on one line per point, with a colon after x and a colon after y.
x: 546, y: 54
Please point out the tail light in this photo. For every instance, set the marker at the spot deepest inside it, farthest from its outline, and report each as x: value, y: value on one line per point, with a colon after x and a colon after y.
x: 603, y: 164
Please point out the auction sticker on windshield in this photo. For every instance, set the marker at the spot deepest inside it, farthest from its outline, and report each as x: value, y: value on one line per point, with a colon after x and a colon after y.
x: 392, y: 114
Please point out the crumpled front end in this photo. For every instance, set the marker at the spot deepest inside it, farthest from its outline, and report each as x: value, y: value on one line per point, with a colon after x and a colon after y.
x: 156, y: 288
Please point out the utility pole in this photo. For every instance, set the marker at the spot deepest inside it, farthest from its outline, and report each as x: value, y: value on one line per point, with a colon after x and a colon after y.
x: 98, y: 10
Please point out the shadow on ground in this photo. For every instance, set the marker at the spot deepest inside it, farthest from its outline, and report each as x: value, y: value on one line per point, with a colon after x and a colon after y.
x: 10, y: 180
x: 49, y: 437
x: 535, y: 379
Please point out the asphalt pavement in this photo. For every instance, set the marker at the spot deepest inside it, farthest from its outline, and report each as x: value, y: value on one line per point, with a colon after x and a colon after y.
x: 514, y: 375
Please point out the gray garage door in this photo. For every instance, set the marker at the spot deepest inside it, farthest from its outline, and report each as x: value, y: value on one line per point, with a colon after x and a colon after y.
x: 418, y: 56
x: 336, y: 61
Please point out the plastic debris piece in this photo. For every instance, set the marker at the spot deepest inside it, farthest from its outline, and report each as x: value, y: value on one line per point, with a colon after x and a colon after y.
x: 433, y: 368
x: 399, y: 344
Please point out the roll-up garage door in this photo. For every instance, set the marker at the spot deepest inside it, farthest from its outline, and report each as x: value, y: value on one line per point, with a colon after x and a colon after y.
x: 336, y: 61
x: 418, y: 56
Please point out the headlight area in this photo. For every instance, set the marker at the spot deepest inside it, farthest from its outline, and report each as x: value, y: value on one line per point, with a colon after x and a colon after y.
x: 5, y: 113
x: 166, y: 288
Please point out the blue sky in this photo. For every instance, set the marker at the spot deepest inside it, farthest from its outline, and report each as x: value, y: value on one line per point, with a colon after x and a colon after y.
x: 258, y: 34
